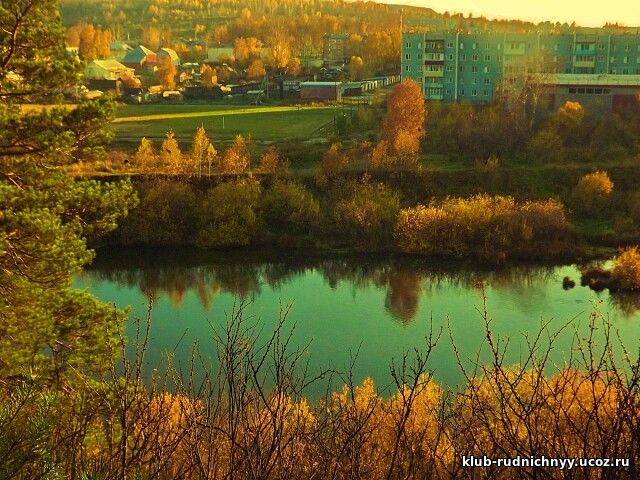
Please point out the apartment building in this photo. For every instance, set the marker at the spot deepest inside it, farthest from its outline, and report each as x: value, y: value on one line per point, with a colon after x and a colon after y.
x: 469, y: 67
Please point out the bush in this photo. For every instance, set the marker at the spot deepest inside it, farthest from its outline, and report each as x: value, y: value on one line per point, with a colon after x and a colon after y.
x: 288, y: 207
x: 165, y: 216
x: 546, y: 147
x: 626, y: 269
x: 485, y: 226
x: 368, y: 214
x: 228, y: 216
x: 591, y: 194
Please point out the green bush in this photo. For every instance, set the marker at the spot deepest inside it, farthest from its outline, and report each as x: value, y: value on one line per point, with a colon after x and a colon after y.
x: 229, y: 214
x: 166, y: 215
x: 288, y: 207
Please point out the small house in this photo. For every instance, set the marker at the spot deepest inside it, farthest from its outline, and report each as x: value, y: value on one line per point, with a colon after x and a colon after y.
x: 107, y: 70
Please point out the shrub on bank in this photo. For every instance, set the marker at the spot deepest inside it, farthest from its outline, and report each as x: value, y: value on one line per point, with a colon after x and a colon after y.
x: 626, y: 269
x: 228, y: 216
x: 492, y: 227
x: 367, y: 214
x: 166, y: 215
x: 591, y: 194
x: 288, y: 206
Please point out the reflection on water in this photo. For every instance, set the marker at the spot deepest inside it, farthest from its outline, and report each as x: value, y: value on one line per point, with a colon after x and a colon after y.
x: 379, y: 306
x: 405, y: 280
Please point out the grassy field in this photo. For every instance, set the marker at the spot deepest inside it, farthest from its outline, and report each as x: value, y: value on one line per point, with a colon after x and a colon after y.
x: 222, y: 122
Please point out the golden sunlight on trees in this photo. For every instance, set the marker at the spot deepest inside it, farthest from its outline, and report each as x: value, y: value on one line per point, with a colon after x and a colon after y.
x: 209, y: 75
x: 256, y: 70
x: 403, y: 127
x: 203, y: 154
x: 591, y: 194
x: 272, y: 161
x: 236, y: 158
x: 333, y: 163
x: 491, y: 227
x: 145, y: 158
x: 170, y: 154
x: 167, y: 72
x: 626, y: 269
x: 246, y: 49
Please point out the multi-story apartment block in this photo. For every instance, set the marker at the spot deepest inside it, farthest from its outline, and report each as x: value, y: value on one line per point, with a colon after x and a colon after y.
x: 468, y: 67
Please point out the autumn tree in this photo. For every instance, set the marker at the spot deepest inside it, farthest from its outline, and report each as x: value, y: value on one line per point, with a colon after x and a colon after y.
x: 256, y: 70
x: 246, y: 49
x: 403, y: 126
x: 203, y: 154
x: 145, y: 157
x: 236, y: 158
x: 272, y: 161
x: 333, y: 163
x: 294, y: 67
x: 356, y: 68
x: 591, y: 194
x: 209, y: 75
x: 167, y: 72
x: 280, y: 52
x: 170, y: 154
x: 151, y: 37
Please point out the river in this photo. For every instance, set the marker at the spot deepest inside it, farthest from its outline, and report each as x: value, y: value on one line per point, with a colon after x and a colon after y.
x: 371, y: 308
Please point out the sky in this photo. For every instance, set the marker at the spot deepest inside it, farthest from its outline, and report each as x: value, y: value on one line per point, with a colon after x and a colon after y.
x: 588, y: 13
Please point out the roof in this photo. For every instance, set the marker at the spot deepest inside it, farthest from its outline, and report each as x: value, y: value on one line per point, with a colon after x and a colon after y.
x: 137, y: 55
x: 120, y: 45
x: 320, y: 84
x: 590, y: 79
x: 170, y: 52
x: 110, y: 65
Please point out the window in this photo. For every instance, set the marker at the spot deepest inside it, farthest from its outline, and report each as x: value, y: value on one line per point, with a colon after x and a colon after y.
x: 601, y: 46
x: 407, y: 56
x: 572, y: 90
x: 556, y: 47
x: 613, y: 59
x: 408, y: 45
x: 487, y: 46
x: 486, y: 69
x: 638, y: 60
x: 499, y: 46
x: 419, y: 56
x: 461, y: 91
x: 625, y: 60
x: 463, y: 57
x: 448, y: 92
x: 474, y: 93
x: 474, y: 69
x: 474, y: 81
x: 485, y: 93
x: 601, y: 58
x: 450, y: 57
x: 449, y: 68
x: 487, y: 81
x: 461, y: 46
x: 474, y: 58
x: 474, y: 46
x: 448, y: 80
x: 487, y: 58
x: 419, y: 46
x: 626, y: 48
x: 407, y: 68
x: 462, y: 68
x: 449, y: 44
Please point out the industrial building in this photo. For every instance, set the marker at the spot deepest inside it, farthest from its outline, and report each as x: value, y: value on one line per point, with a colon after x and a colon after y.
x: 470, y: 67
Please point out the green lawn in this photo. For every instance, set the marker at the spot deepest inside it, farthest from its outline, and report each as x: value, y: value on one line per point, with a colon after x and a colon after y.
x: 222, y: 122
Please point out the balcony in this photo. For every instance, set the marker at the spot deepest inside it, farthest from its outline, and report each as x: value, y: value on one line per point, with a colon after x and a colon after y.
x: 514, y: 48
x: 433, y: 57
x: 584, y: 64
x: 434, y: 73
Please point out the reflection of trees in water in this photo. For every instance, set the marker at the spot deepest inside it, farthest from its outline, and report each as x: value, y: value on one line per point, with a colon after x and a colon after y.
x: 627, y: 303
x: 405, y: 279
